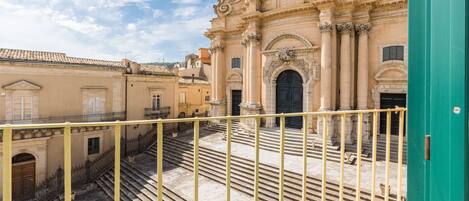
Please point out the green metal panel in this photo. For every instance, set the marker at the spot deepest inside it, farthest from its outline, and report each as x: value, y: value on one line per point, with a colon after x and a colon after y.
x: 438, y: 86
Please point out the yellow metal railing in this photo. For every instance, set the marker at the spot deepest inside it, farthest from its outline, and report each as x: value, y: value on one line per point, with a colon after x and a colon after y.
x: 325, y: 116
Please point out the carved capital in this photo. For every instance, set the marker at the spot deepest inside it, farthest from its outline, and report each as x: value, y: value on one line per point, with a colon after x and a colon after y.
x: 345, y: 28
x: 251, y: 37
x: 325, y: 27
x: 217, y: 46
x: 362, y: 28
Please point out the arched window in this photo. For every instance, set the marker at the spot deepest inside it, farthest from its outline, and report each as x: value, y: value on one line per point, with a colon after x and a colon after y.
x: 395, y: 52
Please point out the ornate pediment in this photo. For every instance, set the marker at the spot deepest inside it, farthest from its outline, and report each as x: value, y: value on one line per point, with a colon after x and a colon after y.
x: 22, y: 85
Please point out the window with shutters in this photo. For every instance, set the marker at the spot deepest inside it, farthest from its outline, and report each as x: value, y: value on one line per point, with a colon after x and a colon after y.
x: 22, y: 107
x: 182, y: 97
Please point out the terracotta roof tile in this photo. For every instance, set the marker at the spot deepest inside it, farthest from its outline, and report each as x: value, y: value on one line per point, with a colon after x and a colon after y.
x: 54, y: 57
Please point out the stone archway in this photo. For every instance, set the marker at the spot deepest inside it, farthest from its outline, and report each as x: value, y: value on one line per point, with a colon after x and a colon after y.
x: 24, y: 176
x: 289, y: 97
x: 289, y: 52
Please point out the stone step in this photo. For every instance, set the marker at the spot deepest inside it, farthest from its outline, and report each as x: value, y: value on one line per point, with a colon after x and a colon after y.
x: 293, y: 145
x: 181, y: 153
x: 135, y: 185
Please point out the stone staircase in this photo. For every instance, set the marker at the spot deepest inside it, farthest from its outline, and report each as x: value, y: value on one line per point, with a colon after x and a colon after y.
x: 294, y: 144
x: 135, y: 185
x: 212, y: 166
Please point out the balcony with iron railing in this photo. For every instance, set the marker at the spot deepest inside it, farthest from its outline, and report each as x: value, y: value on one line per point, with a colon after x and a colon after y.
x: 322, y: 186
x: 156, y: 113
x: 113, y: 116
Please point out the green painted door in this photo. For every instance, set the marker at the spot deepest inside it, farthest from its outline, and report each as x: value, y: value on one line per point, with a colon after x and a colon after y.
x: 438, y: 53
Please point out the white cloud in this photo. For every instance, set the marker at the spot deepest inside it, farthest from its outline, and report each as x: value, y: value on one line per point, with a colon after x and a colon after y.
x: 185, y: 11
x: 185, y: 1
x: 100, y: 28
x: 131, y: 27
x: 157, y: 13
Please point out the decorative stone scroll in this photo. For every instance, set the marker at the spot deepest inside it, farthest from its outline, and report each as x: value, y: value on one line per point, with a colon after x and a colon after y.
x: 325, y: 27
x: 345, y: 28
x: 225, y: 7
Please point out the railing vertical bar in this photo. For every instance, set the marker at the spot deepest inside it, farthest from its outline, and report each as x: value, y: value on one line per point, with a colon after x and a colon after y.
x: 305, y: 158
x: 325, y: 131
x: 159, y: 160
x: 388, y: 155
x: 373, y: 155
x: 68, y: 162
x: 229, y: 127
x: 400, y: 155
x: 256, y: 168
x: 342, y: 157
x: 196, y: 158
x: 117, y: 161
x: 282, y: 157
x: 7, y: 177
x: 359, y: 155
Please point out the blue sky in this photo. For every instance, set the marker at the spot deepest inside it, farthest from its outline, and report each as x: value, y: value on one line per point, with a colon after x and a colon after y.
x: 141, y: 30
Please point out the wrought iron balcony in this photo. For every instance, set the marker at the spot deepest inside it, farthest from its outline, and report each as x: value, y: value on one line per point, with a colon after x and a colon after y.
x: 114, y: 116
x: 156, y: 113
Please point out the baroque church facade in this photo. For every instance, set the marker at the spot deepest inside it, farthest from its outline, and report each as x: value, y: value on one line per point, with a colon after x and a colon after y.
x: 284, y: 56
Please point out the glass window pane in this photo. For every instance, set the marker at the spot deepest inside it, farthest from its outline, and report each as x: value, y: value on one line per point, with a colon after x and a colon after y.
x: 386, y: 54
x: 400, y: 53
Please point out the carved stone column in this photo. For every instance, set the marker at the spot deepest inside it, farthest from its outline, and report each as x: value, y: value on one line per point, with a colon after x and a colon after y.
x: 326, y: 65
x: 362, y: 78
x: 218, y: 76
x: 345, y: 65
x: 326, y: 27
x: 345, y: 77
x: 362, y: 75
x: 251, y: 39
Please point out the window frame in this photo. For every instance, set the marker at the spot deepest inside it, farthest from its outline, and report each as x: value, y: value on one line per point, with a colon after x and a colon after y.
x: 93, y: 146
x: 232, y: 63
x: 397, y: 57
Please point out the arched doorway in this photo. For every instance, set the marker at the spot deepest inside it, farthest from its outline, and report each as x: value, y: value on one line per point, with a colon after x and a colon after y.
x: 24, y: 176
x: 289, y: 97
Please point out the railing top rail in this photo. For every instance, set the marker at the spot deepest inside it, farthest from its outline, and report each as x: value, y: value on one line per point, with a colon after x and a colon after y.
x: 180, y: 120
